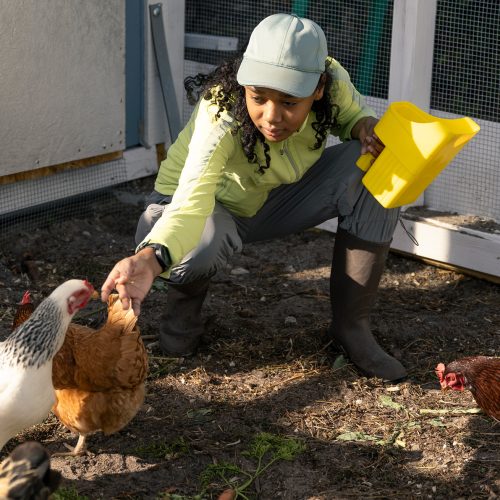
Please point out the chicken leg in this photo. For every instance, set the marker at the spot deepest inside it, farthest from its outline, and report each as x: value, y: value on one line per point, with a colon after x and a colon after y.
x: 79, y: 449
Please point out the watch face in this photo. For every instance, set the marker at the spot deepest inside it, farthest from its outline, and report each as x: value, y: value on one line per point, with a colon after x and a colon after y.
x: 161, y: 255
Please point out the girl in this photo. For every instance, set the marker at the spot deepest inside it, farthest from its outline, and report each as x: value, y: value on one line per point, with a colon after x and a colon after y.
x: 251, y: 164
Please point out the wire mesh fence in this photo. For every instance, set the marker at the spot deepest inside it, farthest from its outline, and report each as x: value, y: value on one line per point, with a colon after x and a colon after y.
x: 465, y: 81
x: 40, y: 201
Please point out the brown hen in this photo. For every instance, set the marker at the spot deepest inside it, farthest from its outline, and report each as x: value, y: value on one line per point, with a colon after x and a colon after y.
x: 99, y: 375
x: 24, y: 310
x: 479, y: 374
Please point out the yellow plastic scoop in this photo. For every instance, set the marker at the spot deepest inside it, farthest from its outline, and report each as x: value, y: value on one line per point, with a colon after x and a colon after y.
x: 417, y: 147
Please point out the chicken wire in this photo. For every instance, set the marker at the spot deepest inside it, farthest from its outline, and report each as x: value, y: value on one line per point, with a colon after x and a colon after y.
x: 465, y: 80
x: 358, y: 35
x: 39, y: 202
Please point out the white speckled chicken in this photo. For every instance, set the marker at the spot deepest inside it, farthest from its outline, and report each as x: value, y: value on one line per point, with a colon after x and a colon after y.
x: 26, y: 389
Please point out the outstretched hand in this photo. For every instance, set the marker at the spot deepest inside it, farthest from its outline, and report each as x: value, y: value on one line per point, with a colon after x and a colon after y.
x: 132, y: 277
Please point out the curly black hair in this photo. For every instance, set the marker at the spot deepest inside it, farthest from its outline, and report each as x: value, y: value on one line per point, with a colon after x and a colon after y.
x: 221, y: 88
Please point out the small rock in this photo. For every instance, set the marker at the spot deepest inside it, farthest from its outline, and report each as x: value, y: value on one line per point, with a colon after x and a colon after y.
x: 152, y: 345
x: 239, y: 271
x: 246, y: 313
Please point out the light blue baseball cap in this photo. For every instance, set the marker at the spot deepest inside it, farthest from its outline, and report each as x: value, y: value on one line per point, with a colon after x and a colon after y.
x: 286, y: 53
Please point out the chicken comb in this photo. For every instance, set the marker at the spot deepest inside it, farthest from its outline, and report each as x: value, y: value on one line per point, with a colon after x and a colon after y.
x: 94, y: 294
x: 440, y: 369
x: 26, y: 298
x: 88, y: 284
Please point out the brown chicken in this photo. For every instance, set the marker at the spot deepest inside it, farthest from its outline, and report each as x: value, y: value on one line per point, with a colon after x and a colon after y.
x: 99, y: 375
x: 479, y: 374
x: 24, y: 310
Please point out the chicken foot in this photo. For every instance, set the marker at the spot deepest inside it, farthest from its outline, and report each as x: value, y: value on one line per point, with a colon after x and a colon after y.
x: 79, y: 449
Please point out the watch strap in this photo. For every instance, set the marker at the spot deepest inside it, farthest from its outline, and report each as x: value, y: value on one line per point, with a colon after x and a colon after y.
x: 161, y: 254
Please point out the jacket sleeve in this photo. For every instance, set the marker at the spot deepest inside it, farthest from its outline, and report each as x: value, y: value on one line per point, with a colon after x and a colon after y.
x: 180, y: 227
x: 352, y: 105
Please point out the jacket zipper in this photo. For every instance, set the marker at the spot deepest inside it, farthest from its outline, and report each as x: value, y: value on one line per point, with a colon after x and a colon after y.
x: 285, y: 151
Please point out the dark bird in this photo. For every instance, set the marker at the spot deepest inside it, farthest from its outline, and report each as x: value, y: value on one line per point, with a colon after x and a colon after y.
x: 26, y: 474
x: 480, y: 375
x: 29, y: 266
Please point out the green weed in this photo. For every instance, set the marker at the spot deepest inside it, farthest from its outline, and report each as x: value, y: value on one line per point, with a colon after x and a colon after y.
x: 265, y: 450
x: 67, y: 494
x: 163, y: 450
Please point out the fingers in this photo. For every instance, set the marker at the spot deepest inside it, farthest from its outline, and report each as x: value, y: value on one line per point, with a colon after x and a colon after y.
x: 122, y: 285
x: 109, y: 285
x: 125, y: 301
x: 118, y: 276
x: 372, y: 145
x: 132, y: 278
x: 366, y: 145
x: 128, y: 298
x: 136, y: 306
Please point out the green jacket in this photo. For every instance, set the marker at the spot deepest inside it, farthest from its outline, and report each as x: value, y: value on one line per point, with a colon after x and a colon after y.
x: 207, y: 163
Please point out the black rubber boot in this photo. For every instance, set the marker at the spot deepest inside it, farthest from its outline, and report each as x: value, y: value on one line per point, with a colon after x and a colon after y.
x: 181, y: 326
x: 357, y: 266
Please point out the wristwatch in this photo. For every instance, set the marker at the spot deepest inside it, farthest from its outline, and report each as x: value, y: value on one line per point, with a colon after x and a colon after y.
x: 161, y: 254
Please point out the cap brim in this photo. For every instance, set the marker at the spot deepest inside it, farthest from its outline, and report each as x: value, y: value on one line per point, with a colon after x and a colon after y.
x: 286, y: 80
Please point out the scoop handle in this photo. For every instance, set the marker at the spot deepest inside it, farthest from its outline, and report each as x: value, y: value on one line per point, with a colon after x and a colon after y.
x: 365, y: 161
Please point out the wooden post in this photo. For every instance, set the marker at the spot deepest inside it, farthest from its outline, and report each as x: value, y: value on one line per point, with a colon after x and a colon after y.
x: 412, y: 48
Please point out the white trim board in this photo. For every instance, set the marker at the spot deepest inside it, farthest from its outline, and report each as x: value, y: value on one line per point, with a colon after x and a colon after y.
x: 412, y: 46
x: 466, y: 249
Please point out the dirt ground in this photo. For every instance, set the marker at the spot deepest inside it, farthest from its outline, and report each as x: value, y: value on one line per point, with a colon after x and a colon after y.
x: 265, y: 406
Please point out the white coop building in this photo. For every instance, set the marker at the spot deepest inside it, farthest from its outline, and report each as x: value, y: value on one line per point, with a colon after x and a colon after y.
x: 92, y: 91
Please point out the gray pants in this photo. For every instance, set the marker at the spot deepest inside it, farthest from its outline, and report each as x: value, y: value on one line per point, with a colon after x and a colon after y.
x: 331, y: 188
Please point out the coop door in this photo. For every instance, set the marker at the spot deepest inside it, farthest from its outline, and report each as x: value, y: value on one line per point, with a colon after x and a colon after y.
x: 62, y: 68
